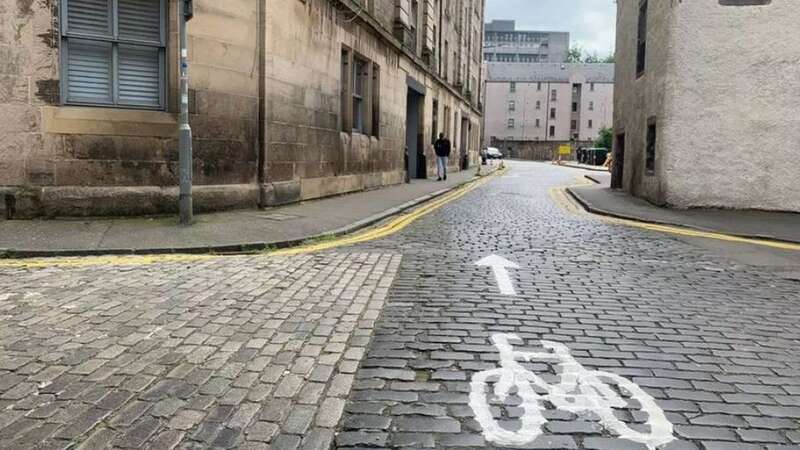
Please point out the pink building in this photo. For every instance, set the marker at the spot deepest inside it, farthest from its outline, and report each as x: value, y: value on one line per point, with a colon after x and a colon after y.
x: 532, y: 109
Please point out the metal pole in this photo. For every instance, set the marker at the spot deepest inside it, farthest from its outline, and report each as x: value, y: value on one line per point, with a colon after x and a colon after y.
x: 185, y: 131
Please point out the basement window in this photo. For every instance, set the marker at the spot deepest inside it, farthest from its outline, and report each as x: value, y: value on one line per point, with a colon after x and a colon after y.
x: 113, y: 53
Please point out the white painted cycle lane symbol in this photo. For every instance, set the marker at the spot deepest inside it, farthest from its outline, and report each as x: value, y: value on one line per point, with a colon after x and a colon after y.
x: 578, y: 391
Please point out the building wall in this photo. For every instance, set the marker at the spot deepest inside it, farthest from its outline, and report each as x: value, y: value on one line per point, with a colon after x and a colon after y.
x: 525, y: 113
x: 638, y: 99
x: 309, y: 154
x: 734, y: 141
x: 717, y: 84
x: 503, y: 41
x: 265, y: 104
x: 70, y: 160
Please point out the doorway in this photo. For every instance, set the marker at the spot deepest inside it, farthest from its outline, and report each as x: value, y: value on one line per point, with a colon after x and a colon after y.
x: 618, y: 168
x: 466, y: 129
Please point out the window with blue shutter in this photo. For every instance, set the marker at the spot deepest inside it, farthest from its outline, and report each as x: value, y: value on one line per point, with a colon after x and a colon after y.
x: 113, y: 52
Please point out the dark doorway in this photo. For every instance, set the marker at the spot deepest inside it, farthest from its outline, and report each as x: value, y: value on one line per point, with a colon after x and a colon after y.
x: 618, y: 169
x: 466, y: 128
x: 416, y: 156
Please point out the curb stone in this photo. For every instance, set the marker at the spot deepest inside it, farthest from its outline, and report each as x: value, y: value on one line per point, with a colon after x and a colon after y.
x: 588, y: 207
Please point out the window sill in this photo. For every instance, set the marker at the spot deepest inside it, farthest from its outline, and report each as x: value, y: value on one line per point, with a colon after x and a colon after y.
x: 108, y: 121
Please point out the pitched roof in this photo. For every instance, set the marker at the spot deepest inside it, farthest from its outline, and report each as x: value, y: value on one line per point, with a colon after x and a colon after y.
x: 549, y: 72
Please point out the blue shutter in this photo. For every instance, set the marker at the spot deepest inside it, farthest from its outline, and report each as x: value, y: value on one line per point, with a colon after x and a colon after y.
x: 140, y: 20
x: 139, y: 75
x: 92, y: 17
x: 89, y: 72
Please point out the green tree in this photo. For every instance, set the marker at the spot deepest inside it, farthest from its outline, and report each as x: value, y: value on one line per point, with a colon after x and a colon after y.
x: 610, y: 59
x: 604, y: 140
x: 592, y: 58
x: 575, y: 54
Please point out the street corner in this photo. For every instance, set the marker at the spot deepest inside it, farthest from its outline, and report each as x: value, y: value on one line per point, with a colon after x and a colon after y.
x: 232, y: 352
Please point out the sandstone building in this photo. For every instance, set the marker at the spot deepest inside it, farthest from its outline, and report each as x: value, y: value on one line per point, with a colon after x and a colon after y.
x: 706, y: 103
x: 532, y: 109
x: 289, y: 100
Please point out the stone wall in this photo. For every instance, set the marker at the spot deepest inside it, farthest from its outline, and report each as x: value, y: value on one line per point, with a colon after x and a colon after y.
x: 309, y: 152
x: 76, y: 160
x: 637, y: 99
x: 717, y: 86
x: 731, y: 130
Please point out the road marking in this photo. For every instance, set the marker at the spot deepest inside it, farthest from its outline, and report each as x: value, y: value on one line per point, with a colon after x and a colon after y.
x: 560, y: 196
x: 500, y: 268
x: 393, y: 226
x: 578, y: 391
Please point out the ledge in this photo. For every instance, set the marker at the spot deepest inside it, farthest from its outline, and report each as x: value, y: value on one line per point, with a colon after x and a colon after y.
x: 108, y: 121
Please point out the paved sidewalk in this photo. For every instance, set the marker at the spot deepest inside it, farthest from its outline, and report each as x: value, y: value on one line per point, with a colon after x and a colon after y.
x: 227, y: 231
x: 576, y: 165
x: 600, y: 199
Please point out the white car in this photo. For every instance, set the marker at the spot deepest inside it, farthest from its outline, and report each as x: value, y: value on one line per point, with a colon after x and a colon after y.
x: 494, y: 153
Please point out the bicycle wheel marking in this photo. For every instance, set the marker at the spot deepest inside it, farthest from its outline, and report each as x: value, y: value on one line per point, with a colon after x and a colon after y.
x: 578, y: 391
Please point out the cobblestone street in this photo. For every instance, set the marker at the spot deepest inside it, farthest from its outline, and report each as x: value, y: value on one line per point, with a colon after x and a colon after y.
x: 634, y: 340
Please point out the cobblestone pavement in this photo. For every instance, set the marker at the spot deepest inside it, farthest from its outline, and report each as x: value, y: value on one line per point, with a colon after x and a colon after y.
x: 232, y: 352
x: 381, y: 345
x: 714, y: 341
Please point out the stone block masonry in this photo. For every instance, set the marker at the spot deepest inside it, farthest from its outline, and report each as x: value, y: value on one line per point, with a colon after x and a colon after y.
x: 231, y: 352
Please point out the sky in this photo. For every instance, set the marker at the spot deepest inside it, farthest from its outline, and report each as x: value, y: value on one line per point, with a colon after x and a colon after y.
x: 591, y: 23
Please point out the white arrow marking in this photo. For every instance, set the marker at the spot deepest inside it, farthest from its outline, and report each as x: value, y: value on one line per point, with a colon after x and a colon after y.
x: 500, y: 268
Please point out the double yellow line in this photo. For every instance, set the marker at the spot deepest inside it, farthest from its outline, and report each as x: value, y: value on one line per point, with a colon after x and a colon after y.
x: 393, y: 226
x: 563, y: 200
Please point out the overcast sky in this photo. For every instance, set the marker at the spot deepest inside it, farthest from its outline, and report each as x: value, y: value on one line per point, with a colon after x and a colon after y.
x: 591, y: 23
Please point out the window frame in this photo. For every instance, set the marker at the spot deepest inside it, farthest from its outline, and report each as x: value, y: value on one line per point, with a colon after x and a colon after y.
x: 65, y: 35
x: 641, y: 39
x: 651, y: 142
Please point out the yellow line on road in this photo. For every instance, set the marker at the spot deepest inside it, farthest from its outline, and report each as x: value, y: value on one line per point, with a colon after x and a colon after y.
x: 393, y: 226
x: 560, y: 196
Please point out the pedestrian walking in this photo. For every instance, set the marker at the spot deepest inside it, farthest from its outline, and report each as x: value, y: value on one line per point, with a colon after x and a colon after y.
x: 442, y: 148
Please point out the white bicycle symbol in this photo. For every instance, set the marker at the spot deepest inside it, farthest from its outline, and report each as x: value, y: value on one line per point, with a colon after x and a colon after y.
x: 579, y: 391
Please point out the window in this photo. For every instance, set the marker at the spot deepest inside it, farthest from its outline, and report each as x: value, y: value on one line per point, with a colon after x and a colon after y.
x: 512, y: 87
x: 360, y: 93
x: 511, y: 123
x: 552, y: 113
x: 574, y: 125
x: 591, y: 87
x: 114, y: 53
x: 641, y: 42
x: 650, y: 161
x: 538, y: 105
x: 552, y: 130
x: 360, y: 96
x: 590, y: 124
x: 574, y: 106
x: 376, y: 100
x: 538, y: 123
x: 591, y: 106
x: 435, y: 121
x: 539, y: 86
x: 553, y: 95
x: 512, y: 105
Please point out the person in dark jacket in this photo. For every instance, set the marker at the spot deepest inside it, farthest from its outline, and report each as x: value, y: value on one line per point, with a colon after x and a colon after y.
x: 442, y: 147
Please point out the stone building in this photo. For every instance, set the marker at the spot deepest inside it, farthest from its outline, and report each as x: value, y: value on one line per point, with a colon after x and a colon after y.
x: 706, y: 103
x: 504, y: 43
x: 532, y: 109
x: 289, y: 99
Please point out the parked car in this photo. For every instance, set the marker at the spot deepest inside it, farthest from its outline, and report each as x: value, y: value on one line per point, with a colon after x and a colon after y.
x: 494, y: 153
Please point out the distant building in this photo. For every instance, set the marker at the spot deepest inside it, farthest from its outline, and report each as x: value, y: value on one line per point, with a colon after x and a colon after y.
x: 532, y: 109
x: 706, y: 105
x: 504, y: 43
